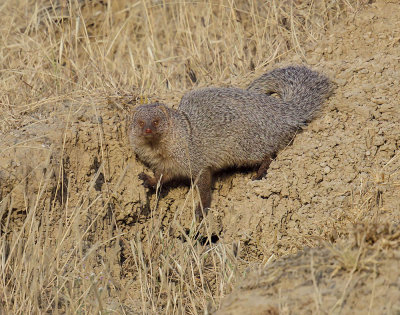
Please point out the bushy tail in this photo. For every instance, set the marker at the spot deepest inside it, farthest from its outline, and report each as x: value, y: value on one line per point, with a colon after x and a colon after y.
x: 303, y: 89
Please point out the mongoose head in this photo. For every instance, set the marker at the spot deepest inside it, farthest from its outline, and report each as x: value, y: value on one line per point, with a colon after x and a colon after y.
x: 149, y: 122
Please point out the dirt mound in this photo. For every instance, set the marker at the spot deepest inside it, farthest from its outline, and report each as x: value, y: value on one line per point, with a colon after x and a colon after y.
x: 361, y: 277
x: 71, y: 169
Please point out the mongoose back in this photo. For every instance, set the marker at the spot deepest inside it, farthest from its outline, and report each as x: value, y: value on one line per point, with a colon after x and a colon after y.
x: 214, y: 128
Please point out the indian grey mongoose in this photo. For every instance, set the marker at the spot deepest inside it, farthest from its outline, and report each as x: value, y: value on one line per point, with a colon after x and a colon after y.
x: 218, y: 127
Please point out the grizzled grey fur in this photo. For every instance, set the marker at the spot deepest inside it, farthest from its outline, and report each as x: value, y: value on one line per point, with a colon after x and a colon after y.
x: 214, y: 128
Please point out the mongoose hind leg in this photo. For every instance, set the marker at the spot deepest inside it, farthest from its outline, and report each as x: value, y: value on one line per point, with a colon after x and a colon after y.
x: 204, y: 184
x: 262, y: 170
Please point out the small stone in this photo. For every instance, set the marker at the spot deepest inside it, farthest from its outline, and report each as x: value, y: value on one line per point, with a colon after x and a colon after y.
x: 318, y: 50
x: 378, y: 141
x: 348, y: 94
x: 341, y: 82
x: 378, y: 101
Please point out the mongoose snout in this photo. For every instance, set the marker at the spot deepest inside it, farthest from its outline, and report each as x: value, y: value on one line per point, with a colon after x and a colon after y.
x: 149, y: 129
x: 214, y: 128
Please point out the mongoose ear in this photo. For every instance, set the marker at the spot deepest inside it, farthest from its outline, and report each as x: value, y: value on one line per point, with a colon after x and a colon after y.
x: 165, y: 111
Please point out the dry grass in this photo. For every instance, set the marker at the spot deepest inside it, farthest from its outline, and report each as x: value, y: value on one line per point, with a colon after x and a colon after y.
x: 53, y: 51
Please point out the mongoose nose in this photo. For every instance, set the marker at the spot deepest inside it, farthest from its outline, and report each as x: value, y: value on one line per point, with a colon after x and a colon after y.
x: 148, y: 130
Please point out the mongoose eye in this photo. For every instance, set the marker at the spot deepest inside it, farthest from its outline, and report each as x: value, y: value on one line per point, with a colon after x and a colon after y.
x: 141, y: 123
x: 155, y: 123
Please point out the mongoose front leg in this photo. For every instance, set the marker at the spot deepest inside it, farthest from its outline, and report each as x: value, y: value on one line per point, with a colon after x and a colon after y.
x: 150, y: 181
x: 204, y: 185
x: 262, y: 170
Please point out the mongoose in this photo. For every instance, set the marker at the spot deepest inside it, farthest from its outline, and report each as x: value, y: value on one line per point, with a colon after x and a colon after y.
x: 214, y: 128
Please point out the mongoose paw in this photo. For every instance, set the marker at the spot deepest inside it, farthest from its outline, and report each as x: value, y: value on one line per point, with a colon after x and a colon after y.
x: 148, y: 181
